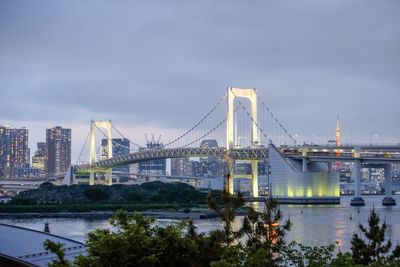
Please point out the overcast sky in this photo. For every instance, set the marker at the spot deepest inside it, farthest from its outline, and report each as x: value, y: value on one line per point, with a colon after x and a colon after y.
x: 157, y: 66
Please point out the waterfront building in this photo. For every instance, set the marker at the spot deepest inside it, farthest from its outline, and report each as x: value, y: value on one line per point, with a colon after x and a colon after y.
x: 289, y: 179
x: 58, y: 150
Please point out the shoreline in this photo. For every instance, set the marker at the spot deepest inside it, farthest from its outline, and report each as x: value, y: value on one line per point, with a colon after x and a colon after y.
x: 93, y: 215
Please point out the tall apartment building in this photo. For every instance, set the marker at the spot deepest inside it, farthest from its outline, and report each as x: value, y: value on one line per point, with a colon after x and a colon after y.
x: 14, y: 152
x: 5, y: 151
x: 181, y: 167
x: 58, y: 150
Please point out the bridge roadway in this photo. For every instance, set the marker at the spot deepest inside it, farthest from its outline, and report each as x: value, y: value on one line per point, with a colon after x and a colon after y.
x: 151, y: 154
x: 367, y: 154
x: 379, y: 154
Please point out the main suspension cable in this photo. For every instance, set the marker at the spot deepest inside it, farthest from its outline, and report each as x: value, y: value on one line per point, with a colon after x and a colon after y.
x: 198, y: 123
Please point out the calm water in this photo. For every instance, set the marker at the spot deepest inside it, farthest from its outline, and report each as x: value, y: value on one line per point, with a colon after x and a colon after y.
x: 317, y: 225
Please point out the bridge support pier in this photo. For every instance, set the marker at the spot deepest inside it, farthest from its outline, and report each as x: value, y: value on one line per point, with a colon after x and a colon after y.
x: 357, y: 200
x: 305, y: 165
x: 108, y: 177
x: 229, y: 182
x: 91, y: 178
x: 329, y: 166
x: 229, y: 179
x: 388, y: 200
x: 254, y: 177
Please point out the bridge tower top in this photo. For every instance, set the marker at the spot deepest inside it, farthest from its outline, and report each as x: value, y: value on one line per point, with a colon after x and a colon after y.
x: 100, y: 124
x: 249, y: 93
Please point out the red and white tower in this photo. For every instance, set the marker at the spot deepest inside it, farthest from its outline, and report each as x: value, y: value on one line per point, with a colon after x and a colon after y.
x: 337, y: 131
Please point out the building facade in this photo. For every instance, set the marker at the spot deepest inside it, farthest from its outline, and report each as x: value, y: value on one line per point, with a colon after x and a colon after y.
x: 14, y: 152
x: 287, y: 180
x: 39, y: 160
x: 5, y: 151
x: 58, y: 150
x: 120, y: 146
x: 151, y: 167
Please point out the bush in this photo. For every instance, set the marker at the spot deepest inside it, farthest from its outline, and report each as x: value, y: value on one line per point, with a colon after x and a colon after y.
x: 96, y: 194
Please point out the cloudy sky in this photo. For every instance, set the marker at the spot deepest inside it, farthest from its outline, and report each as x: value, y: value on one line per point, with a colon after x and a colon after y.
x: 157, y: 66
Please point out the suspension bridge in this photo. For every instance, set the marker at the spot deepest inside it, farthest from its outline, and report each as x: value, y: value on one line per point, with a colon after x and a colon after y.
x: 251, y: 133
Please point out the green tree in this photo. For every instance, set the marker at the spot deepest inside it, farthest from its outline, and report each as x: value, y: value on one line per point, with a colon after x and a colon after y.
x: 375, y: 248
x: 94, y: 193
x: 227, y: 213
x: 266, y: 231
x: 299, y: 255
x: 136, y: 241
x: 58, y: 249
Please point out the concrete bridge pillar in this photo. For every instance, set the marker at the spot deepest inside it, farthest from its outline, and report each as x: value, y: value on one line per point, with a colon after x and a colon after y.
x: 357, y: 200
x: 108, y: 177
x: 91, y: 177
x: 250, y: 94
x: 304, y: 161
x: 388, y: 200
x: 230, y: 176
x: 254, y: 177
x: 305, y: 165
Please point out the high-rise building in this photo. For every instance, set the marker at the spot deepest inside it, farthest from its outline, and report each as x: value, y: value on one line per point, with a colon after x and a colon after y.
x: 58, y: 150
x: 39, y: 159
x: 157, y: 166
x: 181, y: 167
x: 211, y: 166
x: 14, y: 152
x: 5, y: 151
x: 120, y: 146
x: 20, y: 153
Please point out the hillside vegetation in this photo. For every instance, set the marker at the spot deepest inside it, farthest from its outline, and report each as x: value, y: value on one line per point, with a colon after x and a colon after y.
x: 151, y: 192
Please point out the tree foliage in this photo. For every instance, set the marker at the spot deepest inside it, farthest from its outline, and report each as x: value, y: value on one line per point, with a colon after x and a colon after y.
x: 266, y: 231
x: 58, y: 249
x: 257, y: 240
x: 151, y: 192
x: 375, y: 248
x: 227, y: 214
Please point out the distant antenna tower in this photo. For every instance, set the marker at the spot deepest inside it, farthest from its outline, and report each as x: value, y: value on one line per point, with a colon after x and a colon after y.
x: 337, y: 131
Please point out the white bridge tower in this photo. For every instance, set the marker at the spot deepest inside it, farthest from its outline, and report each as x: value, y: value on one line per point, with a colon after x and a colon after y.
x: 251, y: 95
x: 108, y: 126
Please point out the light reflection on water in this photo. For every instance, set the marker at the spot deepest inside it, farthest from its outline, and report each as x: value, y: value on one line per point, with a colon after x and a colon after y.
x: 317, y: 225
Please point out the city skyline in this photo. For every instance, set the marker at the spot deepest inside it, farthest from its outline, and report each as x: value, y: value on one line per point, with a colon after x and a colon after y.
x: 144, y: 64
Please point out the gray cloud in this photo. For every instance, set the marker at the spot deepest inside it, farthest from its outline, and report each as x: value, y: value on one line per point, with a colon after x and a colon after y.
x: 149, y: 63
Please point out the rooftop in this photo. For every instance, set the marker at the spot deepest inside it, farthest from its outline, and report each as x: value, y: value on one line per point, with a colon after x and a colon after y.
x: 26, y: 246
